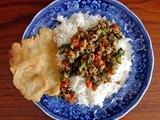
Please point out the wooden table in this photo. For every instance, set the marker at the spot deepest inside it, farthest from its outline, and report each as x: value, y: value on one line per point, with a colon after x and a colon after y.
x: 15, y: 15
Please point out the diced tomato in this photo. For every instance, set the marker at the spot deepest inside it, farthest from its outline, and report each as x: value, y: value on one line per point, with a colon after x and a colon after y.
x: 89, y: 84
x: 94, y: 87
x: 65, y: 63
x: 64, y: 84
x: 116, y: 27
x: 70, y: 97
x: 75, y: 40
x: 105, y: 43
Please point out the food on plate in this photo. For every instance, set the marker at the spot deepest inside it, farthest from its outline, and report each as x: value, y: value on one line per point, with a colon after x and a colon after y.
x: 94, y: 56
x: 34, y: 66
x: 84, y: 59
x: 91, y: 54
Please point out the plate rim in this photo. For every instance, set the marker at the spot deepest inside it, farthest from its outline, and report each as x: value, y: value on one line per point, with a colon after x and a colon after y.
x: 139, y: 96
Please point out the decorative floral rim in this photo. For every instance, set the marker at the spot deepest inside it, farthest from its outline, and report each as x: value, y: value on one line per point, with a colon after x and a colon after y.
x: 139, y: 96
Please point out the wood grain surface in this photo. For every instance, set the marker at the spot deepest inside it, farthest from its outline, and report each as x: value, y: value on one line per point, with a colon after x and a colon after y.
x: 15, y: 15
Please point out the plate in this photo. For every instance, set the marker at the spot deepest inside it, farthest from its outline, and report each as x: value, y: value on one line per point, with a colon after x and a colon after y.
x: 126, y: 98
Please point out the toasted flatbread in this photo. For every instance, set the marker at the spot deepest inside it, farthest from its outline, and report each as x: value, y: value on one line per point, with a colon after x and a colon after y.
x: 34, y: 65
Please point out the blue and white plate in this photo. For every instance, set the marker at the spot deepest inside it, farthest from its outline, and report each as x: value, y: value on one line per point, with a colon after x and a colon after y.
x: 142, y: 63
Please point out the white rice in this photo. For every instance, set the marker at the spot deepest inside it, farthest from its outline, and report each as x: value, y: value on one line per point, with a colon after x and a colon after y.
x: 65, y: 31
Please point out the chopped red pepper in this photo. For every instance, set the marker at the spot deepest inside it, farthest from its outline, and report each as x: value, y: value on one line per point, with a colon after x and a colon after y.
x: 75, y: 36
x: 98, y: 60
x: 97, y: 57
x: 64, y: 84
x: 75, y: 40
x: 80, y: 44
x: 65, y: 63
x: 70, y: 97
x: 94, y: 87
x: 112, y: 72
x: 89, y: 84
x: 116, y: 27
x: 105, y: 43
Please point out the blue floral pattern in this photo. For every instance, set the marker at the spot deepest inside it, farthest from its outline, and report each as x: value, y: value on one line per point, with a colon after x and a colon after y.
x: 142, y: 63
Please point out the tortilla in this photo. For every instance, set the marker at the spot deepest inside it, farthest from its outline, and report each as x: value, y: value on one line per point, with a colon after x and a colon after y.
x: 34, y: 65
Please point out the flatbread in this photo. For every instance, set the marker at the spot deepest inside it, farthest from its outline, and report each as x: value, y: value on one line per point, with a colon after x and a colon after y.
x: 34, y: 65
